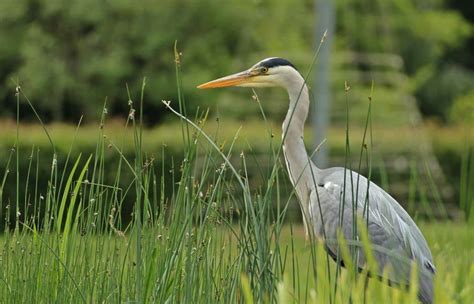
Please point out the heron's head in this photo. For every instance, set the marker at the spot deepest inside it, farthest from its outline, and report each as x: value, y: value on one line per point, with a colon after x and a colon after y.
x: 269, y: 72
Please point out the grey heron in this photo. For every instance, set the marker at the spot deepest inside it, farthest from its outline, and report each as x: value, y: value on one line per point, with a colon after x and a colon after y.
x: 328, y: 195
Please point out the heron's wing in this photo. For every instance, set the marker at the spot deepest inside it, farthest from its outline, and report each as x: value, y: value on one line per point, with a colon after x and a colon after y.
x: 390, y: 228
x: 383, y: 210
x: 386, y: 248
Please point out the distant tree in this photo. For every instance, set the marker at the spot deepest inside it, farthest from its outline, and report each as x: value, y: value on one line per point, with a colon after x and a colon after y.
x: 70, y: 55
x: 423, y: 32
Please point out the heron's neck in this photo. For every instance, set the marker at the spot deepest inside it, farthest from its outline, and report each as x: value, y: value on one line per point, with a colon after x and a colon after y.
x: 297, y: 112
x: 297, y: 159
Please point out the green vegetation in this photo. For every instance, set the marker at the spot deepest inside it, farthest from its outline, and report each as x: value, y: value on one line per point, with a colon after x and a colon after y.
x: 208, y: 237
x: 162, y: 145
x: 71, y: 55
x: 207, y: 262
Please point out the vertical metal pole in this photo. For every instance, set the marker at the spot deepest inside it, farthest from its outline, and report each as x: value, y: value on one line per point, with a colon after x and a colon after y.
x: 324, y: 12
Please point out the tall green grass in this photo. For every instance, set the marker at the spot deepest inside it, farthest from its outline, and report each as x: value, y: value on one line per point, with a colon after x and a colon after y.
x: 466, y: 197
x: 206, y: 236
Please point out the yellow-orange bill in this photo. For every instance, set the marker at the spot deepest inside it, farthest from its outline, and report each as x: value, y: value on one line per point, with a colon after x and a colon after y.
x: 228, y: 81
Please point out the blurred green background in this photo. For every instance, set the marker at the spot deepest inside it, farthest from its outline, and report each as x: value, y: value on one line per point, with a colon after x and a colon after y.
x: 71, y: 56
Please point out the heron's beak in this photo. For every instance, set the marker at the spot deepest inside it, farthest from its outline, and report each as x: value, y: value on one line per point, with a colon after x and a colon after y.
x: 229, y: 81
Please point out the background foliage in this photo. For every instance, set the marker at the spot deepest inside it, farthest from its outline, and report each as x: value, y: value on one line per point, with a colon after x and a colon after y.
x: 71, y: 55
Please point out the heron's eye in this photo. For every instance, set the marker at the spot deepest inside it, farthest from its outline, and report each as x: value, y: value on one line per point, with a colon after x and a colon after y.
x: 263, y: 70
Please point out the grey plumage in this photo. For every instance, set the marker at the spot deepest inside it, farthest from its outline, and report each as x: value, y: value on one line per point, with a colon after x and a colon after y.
x: 389, y: 227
